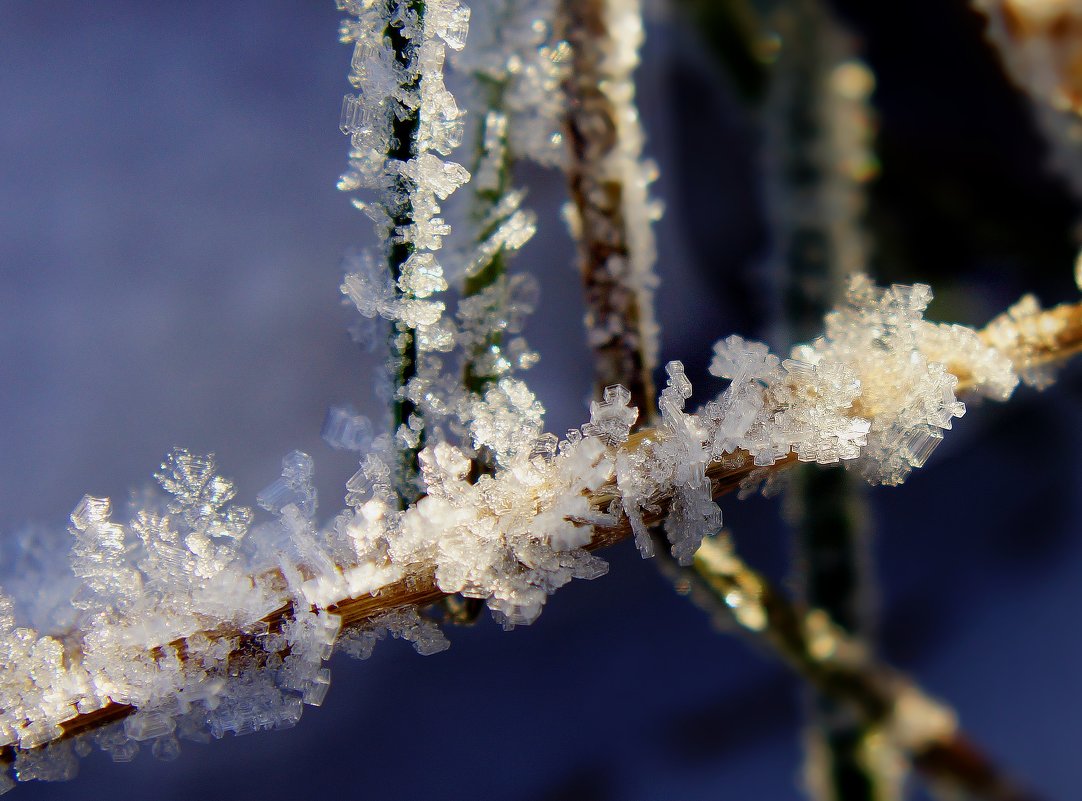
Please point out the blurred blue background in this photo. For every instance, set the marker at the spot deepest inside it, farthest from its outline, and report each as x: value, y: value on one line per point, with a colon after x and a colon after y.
x: 170, y: 246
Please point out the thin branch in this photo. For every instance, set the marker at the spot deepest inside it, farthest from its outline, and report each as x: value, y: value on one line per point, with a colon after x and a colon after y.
x: 1047, y: 338
x: 404, y: 350
x: 607, y: 186
x: 840, y: 667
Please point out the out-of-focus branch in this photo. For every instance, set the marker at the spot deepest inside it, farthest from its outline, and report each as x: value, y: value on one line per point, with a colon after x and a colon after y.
x: 735, y: 35
x: 896, y: 712
x: 819, y: 159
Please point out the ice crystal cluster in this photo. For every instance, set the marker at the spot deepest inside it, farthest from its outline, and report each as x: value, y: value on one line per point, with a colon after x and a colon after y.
x: 520, y: 65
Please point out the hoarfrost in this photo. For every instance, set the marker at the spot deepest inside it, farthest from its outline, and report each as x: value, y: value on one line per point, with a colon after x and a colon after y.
x: 873, y: 393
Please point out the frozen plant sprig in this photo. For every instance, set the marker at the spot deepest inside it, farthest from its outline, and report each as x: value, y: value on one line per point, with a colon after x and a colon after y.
x: 242, y: 649
x: 517, y: 53
x: 400, y: 123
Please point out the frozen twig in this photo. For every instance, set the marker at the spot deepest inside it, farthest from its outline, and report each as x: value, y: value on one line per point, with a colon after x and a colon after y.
x: 402, y: 117
x: 610, y: 211
x: 1034, y: 341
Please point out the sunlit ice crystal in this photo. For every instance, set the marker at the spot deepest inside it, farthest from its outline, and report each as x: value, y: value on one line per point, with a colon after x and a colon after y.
x: 612, y: 419
x: 421, y: 276
x: 294, y: 487
x: 450, y: 21
x: 345, y: 429
x: 740, y: 360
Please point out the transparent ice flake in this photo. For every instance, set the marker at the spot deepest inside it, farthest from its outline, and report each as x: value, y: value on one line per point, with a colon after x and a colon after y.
x: 345, y: 429
x: 612, y: 419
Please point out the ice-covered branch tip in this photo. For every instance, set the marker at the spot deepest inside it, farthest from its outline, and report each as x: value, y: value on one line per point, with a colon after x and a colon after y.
x: 1039, y: 44
x: 189, y: 618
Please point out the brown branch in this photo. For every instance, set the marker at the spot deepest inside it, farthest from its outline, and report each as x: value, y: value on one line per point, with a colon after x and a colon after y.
x: 615, y: 315
x: 1063, y: 337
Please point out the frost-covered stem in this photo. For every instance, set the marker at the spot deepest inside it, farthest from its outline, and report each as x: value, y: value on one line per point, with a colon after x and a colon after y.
x: 419, y: 588
x: 895, y: 712
x: 819, y: 159
x: 404, y: 351
x: 1031, y: 340
x: 602, y: 171
x: 476, y: 379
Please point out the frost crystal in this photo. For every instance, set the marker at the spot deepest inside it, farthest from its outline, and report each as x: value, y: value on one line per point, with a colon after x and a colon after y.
x: 344, y: 429
x: 293, y: 488
x: 406, y: 624
x: 612, y: 420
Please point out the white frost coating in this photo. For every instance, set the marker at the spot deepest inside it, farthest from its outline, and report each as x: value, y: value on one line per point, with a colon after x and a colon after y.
x: 865, y: 393
x: 513, y: 46
x: 174, y: 612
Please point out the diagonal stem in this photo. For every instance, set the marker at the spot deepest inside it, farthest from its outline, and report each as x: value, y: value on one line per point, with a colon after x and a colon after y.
x: 840, y: 667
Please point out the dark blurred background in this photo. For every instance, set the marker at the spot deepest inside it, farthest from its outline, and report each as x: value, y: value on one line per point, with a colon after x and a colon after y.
x: 170, y: 246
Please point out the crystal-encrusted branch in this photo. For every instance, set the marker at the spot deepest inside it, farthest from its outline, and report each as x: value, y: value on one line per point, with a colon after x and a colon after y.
x: 611, y: 213
x: 401, y: 118
x: 237, y: 644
